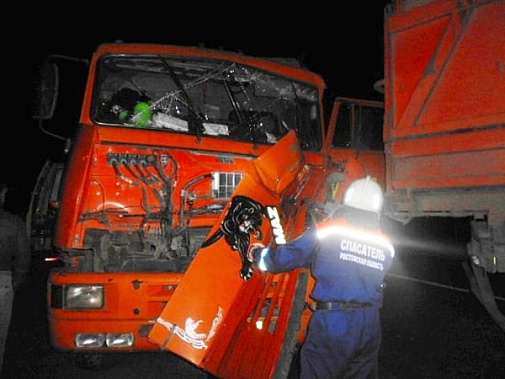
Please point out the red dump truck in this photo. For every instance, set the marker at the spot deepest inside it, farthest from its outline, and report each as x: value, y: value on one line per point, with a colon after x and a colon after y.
x: 182, y: 158
x: 444, y: 127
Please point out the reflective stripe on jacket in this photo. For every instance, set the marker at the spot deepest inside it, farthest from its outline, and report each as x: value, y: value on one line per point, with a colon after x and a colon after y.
x: 348, y: 263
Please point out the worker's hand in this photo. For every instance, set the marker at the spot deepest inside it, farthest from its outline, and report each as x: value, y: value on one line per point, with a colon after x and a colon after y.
x: 253, y: 248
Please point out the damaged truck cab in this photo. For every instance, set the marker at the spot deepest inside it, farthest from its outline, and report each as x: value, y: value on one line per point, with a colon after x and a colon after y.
x: 166, y: 136
x: 182, y: 158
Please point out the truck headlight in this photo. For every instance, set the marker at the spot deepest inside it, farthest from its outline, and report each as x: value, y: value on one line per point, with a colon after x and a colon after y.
x: 84, y: 297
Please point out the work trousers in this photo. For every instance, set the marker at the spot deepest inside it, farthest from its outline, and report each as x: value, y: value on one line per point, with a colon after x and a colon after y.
x: 342, y: 345
x: 6, y: 301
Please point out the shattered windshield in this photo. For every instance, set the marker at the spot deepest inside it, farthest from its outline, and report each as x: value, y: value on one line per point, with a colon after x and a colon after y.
x: 205, y: 97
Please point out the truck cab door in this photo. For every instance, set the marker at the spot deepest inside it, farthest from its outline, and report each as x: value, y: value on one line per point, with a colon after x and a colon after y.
x: 216, y: 319
x: 42, y: 210
x: 354, y: 142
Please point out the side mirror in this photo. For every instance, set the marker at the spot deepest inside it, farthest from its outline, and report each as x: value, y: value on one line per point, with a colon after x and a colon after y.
x: 46, y: 92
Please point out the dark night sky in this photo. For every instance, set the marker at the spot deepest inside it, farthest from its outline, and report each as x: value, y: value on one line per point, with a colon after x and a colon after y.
x: 341, y: 40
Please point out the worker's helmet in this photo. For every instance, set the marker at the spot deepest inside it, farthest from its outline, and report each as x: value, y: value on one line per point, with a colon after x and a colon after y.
x: 364, y: 194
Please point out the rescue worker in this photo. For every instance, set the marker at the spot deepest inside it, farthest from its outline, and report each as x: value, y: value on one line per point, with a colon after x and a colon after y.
x: 349, y: 256
x: 15, y: 257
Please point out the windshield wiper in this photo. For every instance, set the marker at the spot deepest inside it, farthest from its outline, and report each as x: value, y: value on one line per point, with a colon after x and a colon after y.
x: 195, y: 124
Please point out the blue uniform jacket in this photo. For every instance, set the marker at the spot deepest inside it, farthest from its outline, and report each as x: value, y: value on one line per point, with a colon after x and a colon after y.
x: 348, y: 263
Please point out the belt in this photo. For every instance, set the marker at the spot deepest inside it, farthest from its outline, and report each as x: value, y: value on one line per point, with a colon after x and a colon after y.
x: 338, y: 306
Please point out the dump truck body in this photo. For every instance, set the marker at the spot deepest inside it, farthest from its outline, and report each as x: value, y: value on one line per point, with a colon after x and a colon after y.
x: 445, y: 121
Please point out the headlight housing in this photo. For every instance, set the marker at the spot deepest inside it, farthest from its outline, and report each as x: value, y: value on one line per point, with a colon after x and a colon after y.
x: 78, y: 296
x: 84, y: 297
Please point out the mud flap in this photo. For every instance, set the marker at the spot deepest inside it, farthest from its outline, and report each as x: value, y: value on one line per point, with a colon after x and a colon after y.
x: 210, y: 299
x: 481, y: 288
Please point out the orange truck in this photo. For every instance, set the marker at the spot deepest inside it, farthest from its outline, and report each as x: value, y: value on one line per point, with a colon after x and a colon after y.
x: 444, y: 129
x: 182, y: 158
x: 185, y: 156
